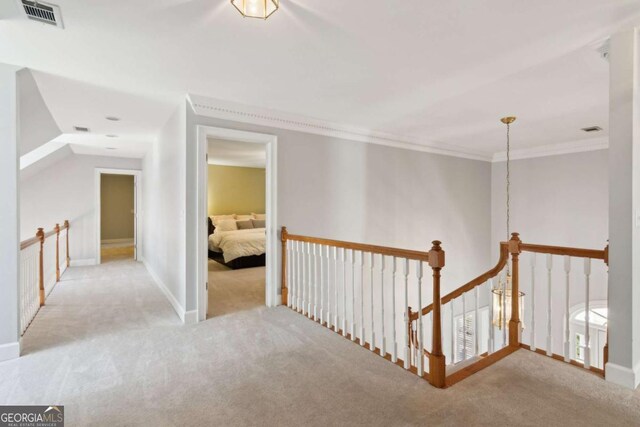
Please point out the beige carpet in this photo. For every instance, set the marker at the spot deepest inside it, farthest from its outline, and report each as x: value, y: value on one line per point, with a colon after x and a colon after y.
x: 109, y: 347
x: 232, y: 291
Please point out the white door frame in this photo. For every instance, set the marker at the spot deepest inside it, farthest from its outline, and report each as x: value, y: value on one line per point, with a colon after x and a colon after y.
x: 137, y: 179
x: 272, y: 244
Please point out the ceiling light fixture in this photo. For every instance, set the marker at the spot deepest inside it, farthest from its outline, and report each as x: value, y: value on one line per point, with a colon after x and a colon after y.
x: 81, y: 129
x: 111, y: 136
x: 113, y: 119
x: 110, y: 148
x: 502, y: 293
x: 261, y: 9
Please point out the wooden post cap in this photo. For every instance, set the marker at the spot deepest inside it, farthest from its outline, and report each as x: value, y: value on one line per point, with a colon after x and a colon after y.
x: 514, y: 243
x: 66, y: 223
x: 283, y: 233
x: 436, y: 255
x: 40, y: 234
x: 57, y: 228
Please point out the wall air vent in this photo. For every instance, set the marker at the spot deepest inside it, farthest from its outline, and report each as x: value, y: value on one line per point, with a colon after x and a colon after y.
x: 592, y: 129
x: 81, y: 129
x: 42, y: 12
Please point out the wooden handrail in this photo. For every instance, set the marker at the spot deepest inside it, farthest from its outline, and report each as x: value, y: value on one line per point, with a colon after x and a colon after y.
x: 35, y: 239
x: 562, y: 250
x: 384, y: 250
x: 504, y: 257
x: 29, y: 242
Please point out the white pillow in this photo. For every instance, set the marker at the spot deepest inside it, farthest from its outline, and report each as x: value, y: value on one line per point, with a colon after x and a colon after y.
x: 217, y: 218
x: 259, y: 216
x: 226, y: 225
x: 243, y: 217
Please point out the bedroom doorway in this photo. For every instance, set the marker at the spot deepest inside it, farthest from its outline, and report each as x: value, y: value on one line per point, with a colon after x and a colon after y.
x: 116, y: 209
x: 236, y: 210
x: 237, y: 253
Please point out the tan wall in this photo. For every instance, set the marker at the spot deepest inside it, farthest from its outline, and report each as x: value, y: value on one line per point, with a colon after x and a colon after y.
x: 116, y: 207
x: 236, y: 190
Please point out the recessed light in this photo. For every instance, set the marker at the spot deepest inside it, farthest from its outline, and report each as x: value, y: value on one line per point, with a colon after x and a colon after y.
x: 111, y: 136
x: 110, y: 148
x: 113, y: 119
x: 592, y: 129
x: 81, y: 129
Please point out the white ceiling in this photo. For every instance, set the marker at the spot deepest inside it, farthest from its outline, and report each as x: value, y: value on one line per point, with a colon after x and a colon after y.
x: 236, y: 153
x: 439, y: 71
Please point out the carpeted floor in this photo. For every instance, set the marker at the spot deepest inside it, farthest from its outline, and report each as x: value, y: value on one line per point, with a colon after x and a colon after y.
x: 109, y: 347
x: 232, y: 291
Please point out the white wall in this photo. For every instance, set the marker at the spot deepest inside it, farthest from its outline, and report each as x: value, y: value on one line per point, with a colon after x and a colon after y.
x: 336, y: 188
x: 556, y: 200
x: 9, y: 214
x: 66, y: 190
x: 163, y: 223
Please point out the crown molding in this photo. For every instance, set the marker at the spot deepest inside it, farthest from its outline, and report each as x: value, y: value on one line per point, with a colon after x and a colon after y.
x: 225, y: 110
x: 570, y: 147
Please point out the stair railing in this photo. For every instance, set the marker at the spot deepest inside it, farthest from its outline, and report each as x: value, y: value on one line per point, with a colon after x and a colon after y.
x: 365, y: 293
x: 40, y: 269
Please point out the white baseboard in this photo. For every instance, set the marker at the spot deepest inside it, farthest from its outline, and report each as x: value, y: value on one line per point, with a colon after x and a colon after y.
x: 127, y: 240
x: 185, y: 316
x: 9, y: 351
x: 621, y: 375
x: 191, y: 317
x: 82, y: 262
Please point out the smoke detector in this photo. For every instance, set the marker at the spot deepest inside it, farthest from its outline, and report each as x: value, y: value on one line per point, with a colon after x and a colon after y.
x: 42, y: 12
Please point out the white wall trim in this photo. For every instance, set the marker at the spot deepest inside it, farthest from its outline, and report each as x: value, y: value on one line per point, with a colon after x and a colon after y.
x: 9, y: 351
x: 569, y: 147
x: 178, y: 308
x: 137, y: 174
x: 225, y: 110
x: 190, y: 317
x: 270, y: 142
x: 82, y: 262
x: 621, y: 375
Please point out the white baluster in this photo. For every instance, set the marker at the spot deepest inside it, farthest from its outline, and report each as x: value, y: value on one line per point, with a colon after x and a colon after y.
x: 309, y: 265
x: 329, y: 316
x: 335, y: 288
x: 587, y: 308
x: 344, y: 292
x: 315, y: 282
x: 420, y: 343
x: 533, y: 301
x: 290, y: 294
x: 567, y: 272
x: 321, y: 254
x: 363, y: 339
x: 464, y: 327
x: 383, y: 346
x: 492, y: 330
x: 476, y: 323
x: 353, y: 295
x: 296, y: 273
x: 407, y: 361
x: 394, y: 349
x: 454, y: 332
x: 303, y: 278
x: 373, y: 332
x: 549, y: 267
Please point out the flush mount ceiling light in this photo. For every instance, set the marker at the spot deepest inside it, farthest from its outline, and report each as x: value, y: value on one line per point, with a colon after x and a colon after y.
x: 111, y: 136
x: 113, y: 119
x: 261, y: 9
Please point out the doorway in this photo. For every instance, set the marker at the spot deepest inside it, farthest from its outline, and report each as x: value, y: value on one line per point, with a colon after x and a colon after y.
x: 117, y: 205
x: 255, y: 272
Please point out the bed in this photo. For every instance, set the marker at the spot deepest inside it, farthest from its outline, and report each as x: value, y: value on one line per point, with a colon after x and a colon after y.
x: 243, y: 248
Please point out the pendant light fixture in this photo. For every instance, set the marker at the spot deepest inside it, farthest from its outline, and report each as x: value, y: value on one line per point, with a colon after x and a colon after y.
x: 502, y: 294
x: 261, y: 9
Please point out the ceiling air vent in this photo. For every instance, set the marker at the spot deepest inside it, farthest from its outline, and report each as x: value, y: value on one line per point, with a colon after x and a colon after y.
x: 43, y: 12
x: 592, y: 129
x: 81, y: 129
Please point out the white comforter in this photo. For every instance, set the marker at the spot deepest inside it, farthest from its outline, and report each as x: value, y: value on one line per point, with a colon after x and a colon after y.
x: 238, y: 243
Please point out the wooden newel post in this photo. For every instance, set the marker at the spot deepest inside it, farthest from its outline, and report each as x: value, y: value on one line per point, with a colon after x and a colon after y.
x: 57, y: 230
x: 285, y: 291
x: 437, y: 365
x: 40, y: 236
x: 66, y: 224
x: 514, y: 324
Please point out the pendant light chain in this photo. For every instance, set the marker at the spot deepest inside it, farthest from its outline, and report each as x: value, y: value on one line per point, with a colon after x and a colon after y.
x: 508, y: 180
